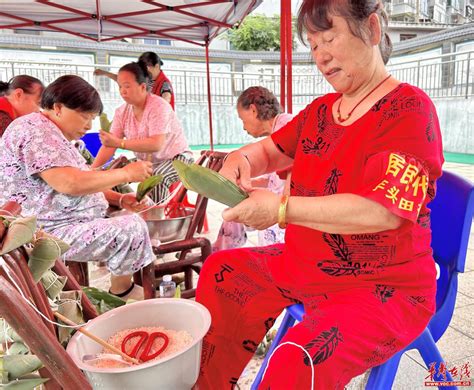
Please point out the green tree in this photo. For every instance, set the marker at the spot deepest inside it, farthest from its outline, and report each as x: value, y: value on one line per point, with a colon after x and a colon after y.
x: 258, y: 33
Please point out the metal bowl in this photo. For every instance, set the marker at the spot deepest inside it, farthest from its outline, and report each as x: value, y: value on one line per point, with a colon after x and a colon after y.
x: 170, y: 228
x: 165, y: 229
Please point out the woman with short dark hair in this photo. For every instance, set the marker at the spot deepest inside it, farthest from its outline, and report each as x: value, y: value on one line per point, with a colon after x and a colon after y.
x: 357, y: 244
x: 19, y: 96
x: 158, y: 83
x: 146, y: 125
x: 48, y: 177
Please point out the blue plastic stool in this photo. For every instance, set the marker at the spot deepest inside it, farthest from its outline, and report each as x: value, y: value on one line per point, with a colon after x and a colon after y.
x: 452, y: 211
x: 92, y: 142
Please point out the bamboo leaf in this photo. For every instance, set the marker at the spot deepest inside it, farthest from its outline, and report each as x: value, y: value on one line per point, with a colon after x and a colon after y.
x: 7, y: 333
x: 19, y: 365
x: 104, y: 122
x: 18, y: 348
x: 209, y: 183
x: 20, y: 232
x: 25, y: 384
x: 103, y: 300
x: 147, y: 185
x: 69, y: 305
x: 53, y: 284
x: 45, y: 251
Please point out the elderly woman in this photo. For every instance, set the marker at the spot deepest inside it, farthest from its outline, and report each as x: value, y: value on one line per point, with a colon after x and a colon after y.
x: 261, y: 115
x: 146, y: 125
x: 160, y: 85
x: 19, y: 96
x: 357, y: 245
x: 44, y: 172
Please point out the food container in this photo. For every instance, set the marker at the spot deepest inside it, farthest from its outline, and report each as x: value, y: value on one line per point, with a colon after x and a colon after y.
x: 178, y: 371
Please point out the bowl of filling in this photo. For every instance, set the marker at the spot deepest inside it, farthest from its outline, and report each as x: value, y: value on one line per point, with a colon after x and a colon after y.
x: 164, y: 334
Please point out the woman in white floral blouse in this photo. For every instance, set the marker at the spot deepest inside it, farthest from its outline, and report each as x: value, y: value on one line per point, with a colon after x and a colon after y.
x: 44, y: 172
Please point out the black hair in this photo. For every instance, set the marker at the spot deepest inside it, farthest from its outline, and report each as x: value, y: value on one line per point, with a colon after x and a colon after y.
x: 264, y: 100
x: 314, y: 15
x: 23, y: 81
x: 139, y: 70
x: 150, y: 58
x: 73, y: 92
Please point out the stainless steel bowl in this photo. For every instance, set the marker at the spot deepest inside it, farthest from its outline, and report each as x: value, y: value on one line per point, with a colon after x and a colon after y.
x: 165, y: 229
x: 170, y: 228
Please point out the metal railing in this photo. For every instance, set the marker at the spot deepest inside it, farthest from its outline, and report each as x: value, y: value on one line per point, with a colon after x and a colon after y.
x: 443, y: 76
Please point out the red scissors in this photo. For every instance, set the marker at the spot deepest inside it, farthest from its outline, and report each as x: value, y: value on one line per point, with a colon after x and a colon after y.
x: 146, y: 339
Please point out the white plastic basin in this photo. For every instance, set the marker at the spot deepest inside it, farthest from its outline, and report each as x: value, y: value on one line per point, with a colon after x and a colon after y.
x: 178, y: 371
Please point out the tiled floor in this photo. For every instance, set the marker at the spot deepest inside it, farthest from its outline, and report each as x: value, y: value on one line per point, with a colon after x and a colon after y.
x: 456, y: 345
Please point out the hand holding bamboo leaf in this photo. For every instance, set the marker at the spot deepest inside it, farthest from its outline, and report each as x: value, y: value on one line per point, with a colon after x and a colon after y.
x: 209, y: 183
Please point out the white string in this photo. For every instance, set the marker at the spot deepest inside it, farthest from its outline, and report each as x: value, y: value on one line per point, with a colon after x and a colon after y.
x: 304, y: 350
x: 163, y: 201
x: 7, y: 271
x: 7, y: 338
x: 51, y: 239
x: 56, y: 278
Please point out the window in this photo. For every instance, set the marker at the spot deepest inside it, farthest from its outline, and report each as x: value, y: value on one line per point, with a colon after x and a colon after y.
x: 164, y: 42
x: 148, y: 41
x: 404, y: 37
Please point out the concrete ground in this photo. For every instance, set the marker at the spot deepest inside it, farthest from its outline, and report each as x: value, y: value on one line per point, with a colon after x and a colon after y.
x: 456, y: 345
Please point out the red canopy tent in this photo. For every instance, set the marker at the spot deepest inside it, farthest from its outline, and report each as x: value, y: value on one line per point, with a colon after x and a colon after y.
x: 193, y: 21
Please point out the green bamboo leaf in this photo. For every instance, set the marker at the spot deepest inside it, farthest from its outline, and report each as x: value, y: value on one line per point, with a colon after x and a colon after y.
x: 104, y: 122
x: 25, y: 384
x: 147, y: 185
x: 45, y: 251
x: 69, y: 305
x: 53, y: 283
x: 7, y: 333
x: 20, y: 231
x: 209, y: 183
x: 103, y: 300
x: 19, y: 365
x: 18, y: 348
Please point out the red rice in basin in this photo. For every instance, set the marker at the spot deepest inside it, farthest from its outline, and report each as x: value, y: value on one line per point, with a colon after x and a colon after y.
x: 178, y: 341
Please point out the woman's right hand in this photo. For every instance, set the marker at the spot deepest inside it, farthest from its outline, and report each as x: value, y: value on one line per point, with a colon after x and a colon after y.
x: 237, y: 169
x: 138, y: 171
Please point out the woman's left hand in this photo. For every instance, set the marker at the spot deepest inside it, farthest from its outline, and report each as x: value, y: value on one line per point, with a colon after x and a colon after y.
x: 129, y: 202
x: 259, y: 210
x: 109, y: 140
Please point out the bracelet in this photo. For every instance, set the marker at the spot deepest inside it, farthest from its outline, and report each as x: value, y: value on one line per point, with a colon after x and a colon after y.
x: 282, y: 211
x: 122, y: 144
x: 120, y: 201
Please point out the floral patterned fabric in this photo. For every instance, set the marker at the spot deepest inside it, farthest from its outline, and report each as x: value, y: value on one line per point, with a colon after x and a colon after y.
x: 33, y: 144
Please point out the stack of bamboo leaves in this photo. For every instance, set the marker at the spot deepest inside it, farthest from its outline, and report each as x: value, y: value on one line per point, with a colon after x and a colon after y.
x: 18, y: 366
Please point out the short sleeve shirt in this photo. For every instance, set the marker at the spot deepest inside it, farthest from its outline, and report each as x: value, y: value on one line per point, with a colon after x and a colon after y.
x: 33, y: 144
x: 392, y: 155
x: 158, y: 118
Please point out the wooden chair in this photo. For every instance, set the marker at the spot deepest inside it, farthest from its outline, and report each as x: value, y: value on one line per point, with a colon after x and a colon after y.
x: 36, y: 331
x: 188, y: 261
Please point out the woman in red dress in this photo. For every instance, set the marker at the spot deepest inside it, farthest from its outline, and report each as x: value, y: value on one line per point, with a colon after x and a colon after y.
x: 357, y: 246
x: 19, y: 96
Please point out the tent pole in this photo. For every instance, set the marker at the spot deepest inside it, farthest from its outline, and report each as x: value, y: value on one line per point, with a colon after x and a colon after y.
x: 282, y: 53
x: 289, y: 59
x: 209, y: 103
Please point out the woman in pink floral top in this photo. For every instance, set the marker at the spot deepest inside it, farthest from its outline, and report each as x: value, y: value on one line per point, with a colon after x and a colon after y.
x: 45, y: 173
x: 147, y: 125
